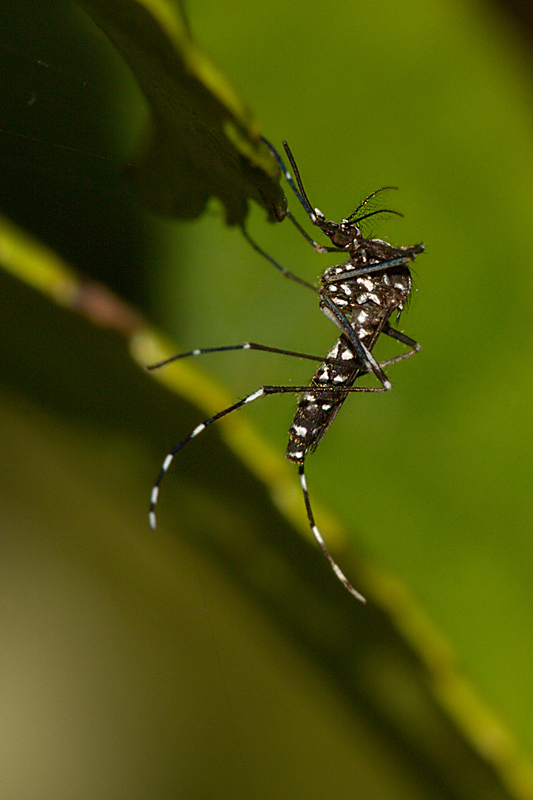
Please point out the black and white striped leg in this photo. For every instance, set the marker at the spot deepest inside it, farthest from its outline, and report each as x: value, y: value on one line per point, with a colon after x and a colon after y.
x: 244, y: 346
x: 267, y: 349
x: 199, y: 429
x: 318, y: 536
x: 262, y: 392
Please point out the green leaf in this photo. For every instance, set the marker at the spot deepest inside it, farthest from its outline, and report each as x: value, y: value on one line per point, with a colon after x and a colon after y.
x: 201, y: 139
x: 219, y: 651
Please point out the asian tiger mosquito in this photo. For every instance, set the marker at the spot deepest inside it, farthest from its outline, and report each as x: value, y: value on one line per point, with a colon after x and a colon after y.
x: 358, y: 296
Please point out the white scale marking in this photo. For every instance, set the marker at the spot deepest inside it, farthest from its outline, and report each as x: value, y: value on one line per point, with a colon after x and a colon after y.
x: 155, y: 495
x: 299, y: 430
x: 195, y: 432
x: 167, y: 462
x: 347, y: 355
x: 255, y: 396
x: 196, y: 353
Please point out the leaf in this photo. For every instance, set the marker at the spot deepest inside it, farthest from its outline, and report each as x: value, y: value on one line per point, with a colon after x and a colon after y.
x: 201, y: 141
x: 223, y: 639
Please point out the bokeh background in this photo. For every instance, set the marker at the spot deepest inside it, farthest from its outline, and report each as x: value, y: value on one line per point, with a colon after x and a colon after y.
x: 217, y: 657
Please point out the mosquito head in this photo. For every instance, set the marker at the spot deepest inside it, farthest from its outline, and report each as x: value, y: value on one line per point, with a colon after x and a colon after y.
x: 344, y: 234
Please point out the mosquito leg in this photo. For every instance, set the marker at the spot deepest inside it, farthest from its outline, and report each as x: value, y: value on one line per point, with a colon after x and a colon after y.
x: 245, y: 346
x: 199, y: 429
x: 268, y: 349
x: 367, y: 270
x: 287, y: 273
x: 319, y: 248
x: 403, y: 338
x: 318, y: 536
x: 395, y: 359
x: 322, y: 391
x: 262, y: 392
x: 366, y: 357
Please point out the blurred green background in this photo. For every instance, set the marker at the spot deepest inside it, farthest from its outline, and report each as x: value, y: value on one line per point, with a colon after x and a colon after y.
x: 218, y: 657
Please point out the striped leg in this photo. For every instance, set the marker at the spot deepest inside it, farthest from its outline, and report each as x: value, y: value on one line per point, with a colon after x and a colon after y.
x: 199, y: 428
x: 318, y: 536
x: 262, y: 392
x: 226, y: 348
x: 267, y: 349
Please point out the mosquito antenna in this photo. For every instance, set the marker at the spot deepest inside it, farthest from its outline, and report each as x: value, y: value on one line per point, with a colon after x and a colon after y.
x: 375, y: 213
x: 367, y: 199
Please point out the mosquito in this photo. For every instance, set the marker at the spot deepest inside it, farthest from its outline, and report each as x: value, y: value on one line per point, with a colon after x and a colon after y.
x: 359, y: 296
